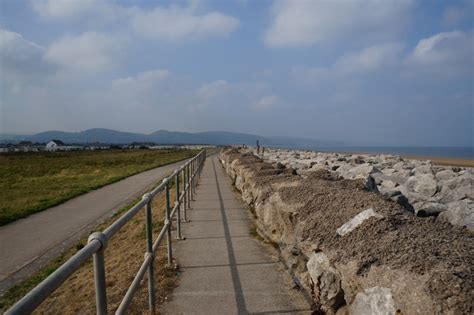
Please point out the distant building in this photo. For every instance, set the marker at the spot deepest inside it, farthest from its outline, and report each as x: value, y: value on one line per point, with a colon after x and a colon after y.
x: 54, y: 145
x: 25, y: 146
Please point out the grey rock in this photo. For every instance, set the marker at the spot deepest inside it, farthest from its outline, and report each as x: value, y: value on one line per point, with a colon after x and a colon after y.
x: 424, y: 184
x: 357, y: 160
x: 445, y: 175
x: 325, y: 280
x: 426, y: 209
x: 402, y: 166
x: 460, y: 213
x: 370, y: 184
x: 360, y: 171
x: 447, y: 194
x: 279, y: 166
x: 403, y: 201
x: 391, y: 180
x: 423, y: 169
x: 387, y: 192
x: 389, y: 183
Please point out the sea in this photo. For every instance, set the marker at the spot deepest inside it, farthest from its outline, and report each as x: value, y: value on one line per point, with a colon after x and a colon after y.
x: 465, y: 153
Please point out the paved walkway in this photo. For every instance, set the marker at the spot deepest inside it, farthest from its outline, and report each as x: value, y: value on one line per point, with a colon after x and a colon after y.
x: 224, y: 269
x: 27, y: 244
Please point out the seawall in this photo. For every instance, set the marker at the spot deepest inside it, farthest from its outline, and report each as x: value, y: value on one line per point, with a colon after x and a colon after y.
x: 353, y: 249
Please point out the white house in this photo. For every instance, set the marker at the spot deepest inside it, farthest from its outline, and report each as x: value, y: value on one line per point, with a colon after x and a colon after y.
x: 54, y: 145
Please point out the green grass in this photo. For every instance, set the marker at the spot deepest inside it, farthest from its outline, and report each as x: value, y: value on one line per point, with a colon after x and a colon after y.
x: 32, y: 182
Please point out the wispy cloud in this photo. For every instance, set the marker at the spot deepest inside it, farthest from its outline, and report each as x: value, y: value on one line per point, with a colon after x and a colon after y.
x: 266, y: 102
x: 89, y: 52
x: 308, y: 22
x: 175, y: 23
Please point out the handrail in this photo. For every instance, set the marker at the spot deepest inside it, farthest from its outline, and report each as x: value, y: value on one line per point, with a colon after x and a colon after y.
x: 97, y: 243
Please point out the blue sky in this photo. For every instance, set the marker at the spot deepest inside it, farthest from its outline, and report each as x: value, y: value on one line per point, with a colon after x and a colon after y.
x: 366, y: 72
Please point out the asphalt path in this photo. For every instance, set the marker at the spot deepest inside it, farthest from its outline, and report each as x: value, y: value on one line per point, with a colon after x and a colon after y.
x: 28, y: 244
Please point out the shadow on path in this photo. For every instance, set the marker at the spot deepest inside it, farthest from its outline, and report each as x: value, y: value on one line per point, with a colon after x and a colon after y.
x: 239, y: 294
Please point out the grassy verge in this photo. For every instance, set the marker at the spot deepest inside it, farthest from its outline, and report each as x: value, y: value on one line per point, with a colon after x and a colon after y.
x: 32, y: 182
x: 123, y: 257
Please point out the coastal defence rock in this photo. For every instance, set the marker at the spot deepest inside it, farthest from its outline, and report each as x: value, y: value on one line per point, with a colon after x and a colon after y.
x: 419, y: 186
x: 387, y: 259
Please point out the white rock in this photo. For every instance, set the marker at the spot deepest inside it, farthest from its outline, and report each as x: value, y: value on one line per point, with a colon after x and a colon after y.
x: 445, y: 175
x: 389, y: 183
x: 424, y: 184
x: 325, y: 277
x: 460, y: 213
x: 373, y: 301
x: 357, y: 220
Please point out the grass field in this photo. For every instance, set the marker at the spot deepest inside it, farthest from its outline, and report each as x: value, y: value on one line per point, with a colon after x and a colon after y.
x: 31, y: 182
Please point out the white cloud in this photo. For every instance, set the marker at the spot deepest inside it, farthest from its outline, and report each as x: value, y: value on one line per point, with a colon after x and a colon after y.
x: 450, y: 53
x: 16, y: 51
x: 97, y: 10
x: 89, y: 52
x: 266, y: 102
x: 172, y: 23
x: 177, y: 23
x: 141, y: 91
x: 143, y: 80
x: 308, y: 22
x: 20, y: 61
x: 366, y: 61
x: 213, y: 89
x: 63, y: 8
x: 369, y: 59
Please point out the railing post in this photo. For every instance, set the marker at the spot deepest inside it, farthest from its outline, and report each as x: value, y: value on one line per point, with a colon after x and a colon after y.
x: 178, y: 211
x: 194, y: 172
x: 185, y: 199
x: 188, y: 181
x: 149, y: 249
x: 99, y: 273
x: 168, y: 219
x: 194, y: 177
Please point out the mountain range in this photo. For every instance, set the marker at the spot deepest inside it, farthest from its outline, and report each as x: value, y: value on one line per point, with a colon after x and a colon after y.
x: 165, y: 137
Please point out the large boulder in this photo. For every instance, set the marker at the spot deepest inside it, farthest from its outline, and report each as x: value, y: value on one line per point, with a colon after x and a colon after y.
x: 325, y: 282
x: 424, y: 184
x: 445, y: 174
x: 460, y: 213
x: 359, y: 171
x: 425, y: 209
x: 425, y: 168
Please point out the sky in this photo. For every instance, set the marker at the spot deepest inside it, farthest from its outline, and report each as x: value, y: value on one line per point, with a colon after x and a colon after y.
x: 367, y: 72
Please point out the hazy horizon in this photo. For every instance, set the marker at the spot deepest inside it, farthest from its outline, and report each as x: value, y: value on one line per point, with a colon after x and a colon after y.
x: 395, y: 73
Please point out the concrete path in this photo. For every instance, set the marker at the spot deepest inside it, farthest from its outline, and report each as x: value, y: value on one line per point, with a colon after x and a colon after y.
x: 225, y: 270
x: 27, y: 244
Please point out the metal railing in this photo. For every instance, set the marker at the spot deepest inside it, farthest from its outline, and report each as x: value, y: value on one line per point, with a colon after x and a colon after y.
x: 185, y: 184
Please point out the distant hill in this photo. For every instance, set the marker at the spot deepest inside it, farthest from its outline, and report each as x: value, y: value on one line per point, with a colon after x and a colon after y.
x: 167, y: 137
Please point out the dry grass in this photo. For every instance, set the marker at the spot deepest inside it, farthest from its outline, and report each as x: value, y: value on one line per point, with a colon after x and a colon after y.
x: 123, y: 257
